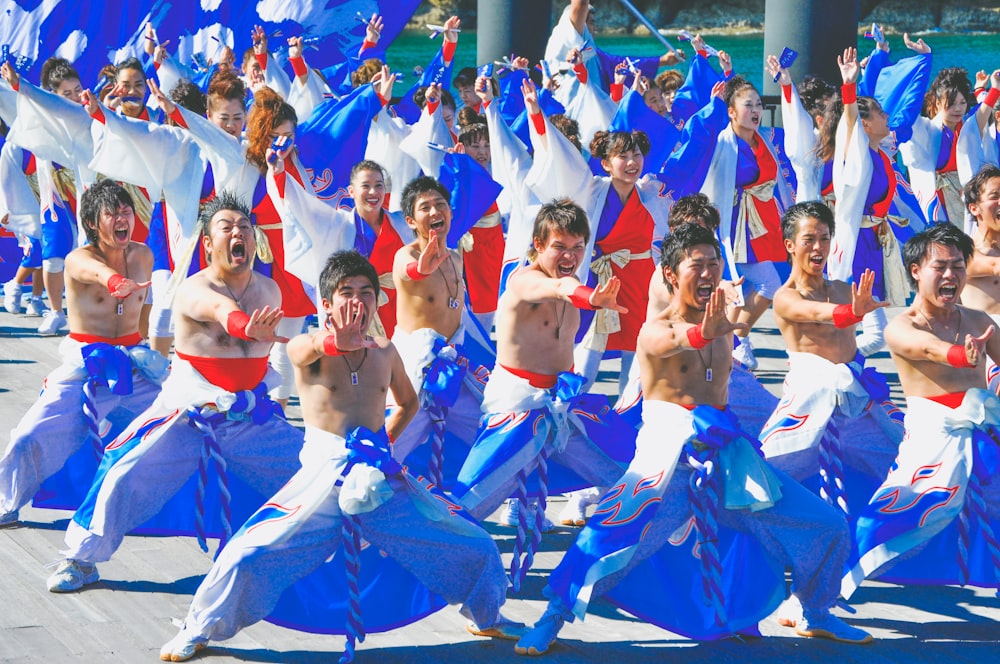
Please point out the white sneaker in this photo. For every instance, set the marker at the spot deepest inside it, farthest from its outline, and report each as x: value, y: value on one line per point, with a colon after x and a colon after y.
x: 12, y: 297
x: 511, y: 513
x: 575, y: 511
x: 52, y: 323
x: 72, y: 575
x: 182, y: 647
x: 829, y: 626
x: 743, y: 353
x: 36, y: 306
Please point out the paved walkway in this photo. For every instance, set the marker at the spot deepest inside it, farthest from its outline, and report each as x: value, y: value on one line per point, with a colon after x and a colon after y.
x: 127, y: 616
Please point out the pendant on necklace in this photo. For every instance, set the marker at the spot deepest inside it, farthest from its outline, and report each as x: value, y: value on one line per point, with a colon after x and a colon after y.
x: 708, y: 374
x: 354, y: 378
x: 453, y: 303
x: 121, y: 307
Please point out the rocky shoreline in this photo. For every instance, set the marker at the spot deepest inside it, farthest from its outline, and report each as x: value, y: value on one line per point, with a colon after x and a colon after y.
x: 747, y: 16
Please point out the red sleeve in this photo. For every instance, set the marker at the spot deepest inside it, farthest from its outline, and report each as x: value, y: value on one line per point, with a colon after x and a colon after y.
x: 279, y: 181
x: 299, y: 66
x: 580, y: 70
x: 261, y: 60
x: 992, y: 97
x: 99, y: 115
x: 538, y: 120
x: 786, y: 90
x: 178, y: 117
x: 432, y: 106
x: 448, y: 52
x: 849, y: 93
x: 617, y: 91
x: 703, y: 54
x: 383, y: 100
x: 365, y: 45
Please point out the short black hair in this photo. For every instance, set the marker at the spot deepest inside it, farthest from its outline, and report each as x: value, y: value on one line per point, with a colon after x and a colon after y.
x: 465, y: 76
x: 918, y: 247
x: 694, y: 208
x: 224, y: 200
x: 343, y: 265
x: 104, y: 196
x: 130, y: 63
x: 55, y: 71
x: 974, y: 187
x: 417, y: 187
x: 366, y: 165
x: 800, y: 211
x: 680, y: 241
x: 562, y: 214
x: 190, y: 96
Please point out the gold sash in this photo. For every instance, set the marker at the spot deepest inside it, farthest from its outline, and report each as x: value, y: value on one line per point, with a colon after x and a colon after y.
x: 608, y: 321
x: 747, y: 216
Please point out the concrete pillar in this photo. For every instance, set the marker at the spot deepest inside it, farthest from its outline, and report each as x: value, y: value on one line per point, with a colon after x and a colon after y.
x: 513, y: 26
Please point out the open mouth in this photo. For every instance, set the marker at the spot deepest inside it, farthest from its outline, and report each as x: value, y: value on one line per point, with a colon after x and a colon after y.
x: 121, y: 233
x: 566, y: 269
x: 373, y: 201
x: 817, y: 261
x: 437, y: 225
x: 238, y: 249
x: 704, y: 292
x: 632, y: 172
x: 948, y: 292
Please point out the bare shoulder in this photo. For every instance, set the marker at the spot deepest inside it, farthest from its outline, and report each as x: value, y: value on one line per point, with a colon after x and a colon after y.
x: 140, y: 250
x: 900, y: 325
x: 841, y: 291
x: 978, y: 320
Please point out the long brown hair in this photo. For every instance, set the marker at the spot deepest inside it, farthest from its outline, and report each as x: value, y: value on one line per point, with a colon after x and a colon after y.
x: 269, y: 110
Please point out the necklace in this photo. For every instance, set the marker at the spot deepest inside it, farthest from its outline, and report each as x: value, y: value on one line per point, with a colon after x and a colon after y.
x: 121, y: 302
x: 233, y: 295
x: 930, y: 328
x: 453, y: 302
x: 559, y: 316
x: 706, y: 365
x: 354, y: 370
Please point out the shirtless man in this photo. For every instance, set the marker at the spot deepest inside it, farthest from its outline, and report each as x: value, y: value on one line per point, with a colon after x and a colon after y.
x: 106, y: 283
x: 343, y: 376
x: 430, y: 302
x: 945, y: 462
x: 982, y: 291
x: 685, y: 356
x: 834, y: 412
x: 213, y: 408
x: 532, y: 403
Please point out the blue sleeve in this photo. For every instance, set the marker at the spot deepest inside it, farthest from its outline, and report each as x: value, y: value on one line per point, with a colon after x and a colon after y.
x: 877, y: 61
x: 697, y: 88
x: 511, y: 100
x: 685, y: 170
x: 473, y: 192
x: 900, y: 90
x: 549, y: 107
x: 634, y: 114
x: 648, y: 65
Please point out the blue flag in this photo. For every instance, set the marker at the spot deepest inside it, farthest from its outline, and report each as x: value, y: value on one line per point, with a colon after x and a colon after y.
x: 473, y: 192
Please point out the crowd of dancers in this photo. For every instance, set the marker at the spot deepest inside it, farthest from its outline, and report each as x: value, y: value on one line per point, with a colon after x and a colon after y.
x: 440, y: 296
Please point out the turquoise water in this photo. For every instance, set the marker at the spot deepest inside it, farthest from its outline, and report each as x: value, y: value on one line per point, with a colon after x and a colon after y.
x: 974, y: 52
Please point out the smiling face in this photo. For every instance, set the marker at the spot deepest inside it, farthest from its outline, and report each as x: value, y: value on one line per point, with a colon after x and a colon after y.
x: 697, y: 276
x: 986, y: 210
x: 230, y: 244
x: 352, y: 289
x: 479, y: 149
x: 954, y: 113
x: 940, y: 276
x: 229, y: 115
x: 133, y: 84
x: 286, y: 129
x: 811, y: 246
x: 561, y: 254
x: 367, y: 188
x: 114, y: 229
x: 745, y: 111
x: 431, y: 212
x: 70, y: 89
x: 655, y: 101
x: 625, y: 167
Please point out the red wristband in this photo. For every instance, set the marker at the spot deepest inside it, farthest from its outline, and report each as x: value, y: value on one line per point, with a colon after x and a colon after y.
x: 432, y: 106
x: 261, y: 59
x: 178, y: 117
x: 786, y: 90
x: 843, y: 316
x: 99, y: 115
x: 413, y: 272
x: 114, y: 282
x: 702, y: 53
x: 448, y: 51
x: 696, y: 338
x: 581, y: 297
x: 382, y: 100
x: 236, y: 325
x: 298, y: 66
x: 992, y: 97
x: 538, y: 122
x: 330, y: 347
x: 849, y: 93
x: 617, y: 91
x: 580, y: 70
x: 958, y: 359
x: 365, y: 45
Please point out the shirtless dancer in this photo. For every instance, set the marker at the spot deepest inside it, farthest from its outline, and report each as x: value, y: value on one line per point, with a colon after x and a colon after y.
x: 213, y: 409
x: 934, y: 519
x: 982, y: 291
x: 685, y: 357
x: 342, y: 376
x: 106, y: 284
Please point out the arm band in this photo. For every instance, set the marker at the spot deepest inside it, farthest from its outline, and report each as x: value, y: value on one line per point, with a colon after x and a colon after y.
x: 957, y: 357
x: 448, y: 51
x: 843, y: 316
x: 114, y: 282
x: 330, y: 346
x: 992, y: 97
x: 382, y: 100
x: 299, y: 66
x: 432, y: 106
x: 261, y: 59
x: 178, y: 117
x: 365, y: 45
x: 99, y: 115
x: 413, y: 272
x: 581, y: 298
x: 617, y: 91
x: 695, y: 337
x: 538, y: 122
x: 580, y: 70
x: 703, y: 54
x: 786, y: 90
x: 236, y: 325
x: 849, y: 93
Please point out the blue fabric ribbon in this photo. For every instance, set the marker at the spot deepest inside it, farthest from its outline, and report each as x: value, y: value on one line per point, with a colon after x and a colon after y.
x: 870, y: 379
x: 370, y: 448
x: 569, y: 386
x: 443, y: 377
x: 715, y: 429
x: 985, y: 454
x: 109, y: 366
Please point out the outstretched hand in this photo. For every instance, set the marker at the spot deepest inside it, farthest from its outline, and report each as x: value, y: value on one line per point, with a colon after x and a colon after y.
x: 10, y: 75
x: 918, y: 46
x: 530, y: 93
x: 168, y: 106
x: 345, y: 328
x: 263, y: 325
x: 715, y: 322
x: 89, y: 101
x: 975, y: 347
x: 849, y: 67
x: 127, y: 286
x: 774, y: 69
x: 862, y: 300
x: 606, y: 296
x: 432, y: 256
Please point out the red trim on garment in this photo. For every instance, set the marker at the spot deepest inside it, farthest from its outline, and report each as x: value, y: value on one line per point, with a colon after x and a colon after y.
x: 232, y: 374
x: 128, y: 340
x: 539, y: 380
x: 953, y: 400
